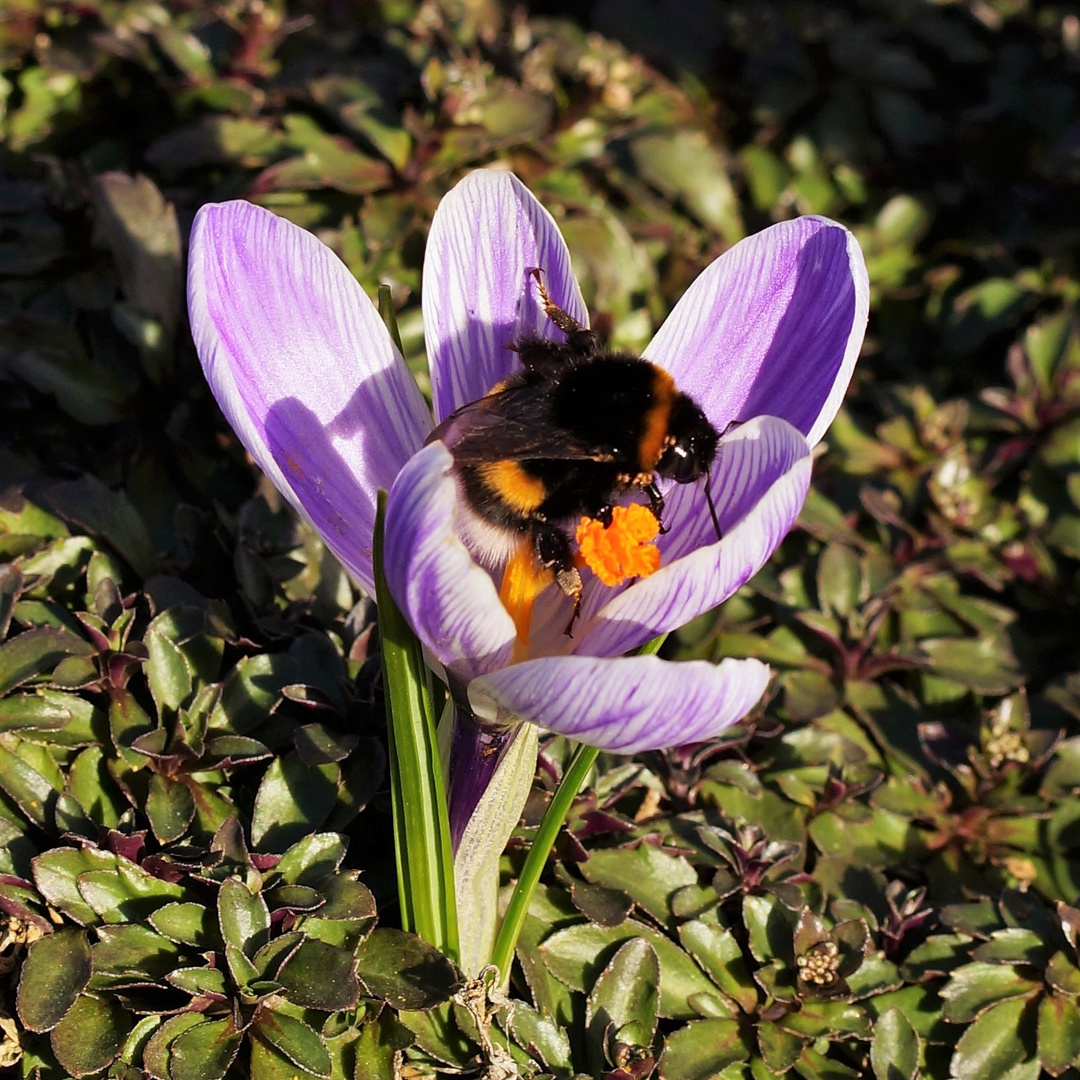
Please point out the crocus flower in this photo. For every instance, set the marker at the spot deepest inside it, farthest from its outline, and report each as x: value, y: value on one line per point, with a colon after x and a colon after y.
x: 299, y: 360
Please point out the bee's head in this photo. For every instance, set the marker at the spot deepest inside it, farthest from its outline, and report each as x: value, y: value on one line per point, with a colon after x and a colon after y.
x: 690, y: 449
x: 691, y: 443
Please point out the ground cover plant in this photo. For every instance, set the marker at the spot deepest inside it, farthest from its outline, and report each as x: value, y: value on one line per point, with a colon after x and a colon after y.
x: 875, y: 874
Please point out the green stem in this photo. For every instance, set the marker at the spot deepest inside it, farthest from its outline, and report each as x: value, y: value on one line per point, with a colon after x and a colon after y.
x: 386, y: 311
x: 425, y: 864
x: 502, y: 955
x: 581, y: 763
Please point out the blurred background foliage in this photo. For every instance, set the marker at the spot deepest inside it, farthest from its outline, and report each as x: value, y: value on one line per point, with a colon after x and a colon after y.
x: 874, y: 875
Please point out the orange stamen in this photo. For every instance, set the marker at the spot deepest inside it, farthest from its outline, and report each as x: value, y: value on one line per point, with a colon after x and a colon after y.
x: 624, y: 549
x: 522, y: 582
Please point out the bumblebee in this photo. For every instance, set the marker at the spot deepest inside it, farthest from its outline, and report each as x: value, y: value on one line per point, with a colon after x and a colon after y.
x: 570, y: 434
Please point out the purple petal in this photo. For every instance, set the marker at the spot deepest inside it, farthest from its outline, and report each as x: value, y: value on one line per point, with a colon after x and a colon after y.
x: 304, y: 370
x: 449, y: 601
x: 475, y: 753
x: 478, y: 296
x: 761, y: 477
x: 749, y: 460
x: 626, y: 705
x: 773, y: 327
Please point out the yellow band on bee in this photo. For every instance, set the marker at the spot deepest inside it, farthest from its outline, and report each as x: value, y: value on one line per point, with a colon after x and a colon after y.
x: 656, y: 420
x: 520, y: 491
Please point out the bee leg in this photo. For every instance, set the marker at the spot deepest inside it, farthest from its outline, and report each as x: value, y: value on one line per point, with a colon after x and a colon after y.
x: 656, y: 505
x: 580, y: 339
x: 564, y: 321
x: 552, y: 548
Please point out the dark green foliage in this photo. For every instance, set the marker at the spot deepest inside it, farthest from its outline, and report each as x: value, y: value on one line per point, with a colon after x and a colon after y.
x: 876, y: 875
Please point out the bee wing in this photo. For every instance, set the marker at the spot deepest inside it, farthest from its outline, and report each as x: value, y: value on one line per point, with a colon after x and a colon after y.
x: 514, y: 422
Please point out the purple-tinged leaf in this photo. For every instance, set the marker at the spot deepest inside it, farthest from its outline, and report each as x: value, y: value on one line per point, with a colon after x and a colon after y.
x: 293, y: 1040
x: 56, y: 968
x: 205, y: 1051
x: 292, y: 801
x: 405, y: 971
x: 187, y: 923
x: 243, y: 916
x: 89, y: 1037
x: 703, y: 1049
x: 155, y: 1053
x: 108, y: 514
x: 622, y: 1005
x: 36, y: 651
x: 576, y: 955
x: 320, y: 976
x: 170, y: 808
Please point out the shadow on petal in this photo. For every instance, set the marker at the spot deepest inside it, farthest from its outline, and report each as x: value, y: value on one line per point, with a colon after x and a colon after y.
x: 627, y: 704
x: 773, y: 327
x: 477, y: 295
x: 325, y: 486
x: 448, y: 599
x: 809, y: 364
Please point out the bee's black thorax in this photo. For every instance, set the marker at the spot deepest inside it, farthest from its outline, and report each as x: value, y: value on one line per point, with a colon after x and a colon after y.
x: 617, y: 405
x: 613, y: 401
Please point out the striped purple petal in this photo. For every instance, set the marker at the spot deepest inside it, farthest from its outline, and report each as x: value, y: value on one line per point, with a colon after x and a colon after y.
x: 749, y: 460
x: 449, y: 601
x: 626, y: 705
x: 773, y: 327
x: 304, y: 370
x: 761, y: 477
x: 478, y: 295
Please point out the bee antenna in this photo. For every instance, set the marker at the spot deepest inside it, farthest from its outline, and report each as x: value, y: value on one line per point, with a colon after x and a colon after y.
x: 712, y: 507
